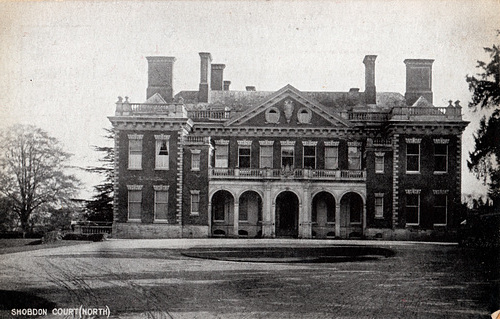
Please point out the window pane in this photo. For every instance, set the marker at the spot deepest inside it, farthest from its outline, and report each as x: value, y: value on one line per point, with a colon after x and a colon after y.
x: 161, y: 160
x: 440, y: 207
x: 244, y: 157
x: 266, y: 157
x: 161, y: 204
x: 195, y: 161
x: 413, y: 149
x: 440, y: 158
x: 412, y: 163
x: 331, y: 157
x: 379, y: 164
x: 135, y: 154
x: 287, y: 156
x: 134, y: 204
x: 221, y: 156
x: 412, y: 208
x: 379, y: 207
x: 309, y: 151
x: 195, y: 201
x: 354, y: 157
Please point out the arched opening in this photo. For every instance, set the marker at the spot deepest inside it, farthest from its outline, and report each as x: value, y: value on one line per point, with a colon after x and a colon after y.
x: 250, y: 214
x: 222, y: 212
x: 323, y: 214
x: 351, y: 215
x: 287, y: 215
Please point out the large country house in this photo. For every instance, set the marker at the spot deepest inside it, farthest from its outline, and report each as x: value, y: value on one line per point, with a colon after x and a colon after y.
x: 222, y: 163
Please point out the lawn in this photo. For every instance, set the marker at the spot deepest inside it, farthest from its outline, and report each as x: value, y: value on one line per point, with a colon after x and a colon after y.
x: 15, y: 245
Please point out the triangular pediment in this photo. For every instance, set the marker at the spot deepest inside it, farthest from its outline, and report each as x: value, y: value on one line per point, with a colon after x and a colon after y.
x: 422, y: 102
x: 155, y: 99
x: 289, y: 107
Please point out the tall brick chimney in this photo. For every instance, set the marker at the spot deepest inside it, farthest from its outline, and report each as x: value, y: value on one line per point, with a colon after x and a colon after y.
x: 370, y: 89
x: 160, y: 76
x: 418, y: 80
x: 217, y: 78
x: 206, y: 60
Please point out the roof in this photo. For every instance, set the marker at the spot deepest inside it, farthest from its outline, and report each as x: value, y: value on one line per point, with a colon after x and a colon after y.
x: 244, y: 100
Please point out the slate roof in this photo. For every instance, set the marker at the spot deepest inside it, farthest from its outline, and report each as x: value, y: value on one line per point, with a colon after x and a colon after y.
x: 244, y: 100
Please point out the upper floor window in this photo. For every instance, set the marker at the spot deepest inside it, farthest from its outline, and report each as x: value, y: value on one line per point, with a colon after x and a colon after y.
x: 413, y: 155
x: 195, y: 160
x: 266, y: 155
x: 222, y: 153
x: 354, y: 155
x: 244, y: 153
x: 379, y: 162
x: 332, y: 155
x: 287, y: 155
x: 135, y: 151
x: 412, y: 207
x: 161, y: 202
x: 134, y: 202
x: 309, y: 156
x: 441, y: 155
x: 162, y: 151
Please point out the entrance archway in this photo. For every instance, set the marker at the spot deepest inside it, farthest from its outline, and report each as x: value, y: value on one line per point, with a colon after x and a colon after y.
x: 287, y: 215
x: 222, y: 213
x: 351, y: 215
x: 250, y: 214
x: 323, y: 215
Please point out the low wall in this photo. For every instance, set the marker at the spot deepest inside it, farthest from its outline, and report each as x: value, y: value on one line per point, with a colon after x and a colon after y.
x: 151, y: 231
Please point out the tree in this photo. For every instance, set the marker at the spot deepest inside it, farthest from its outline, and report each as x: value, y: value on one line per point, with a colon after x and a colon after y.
x: 100, y: 208
x: 484, y: 161
x: 32, y: 177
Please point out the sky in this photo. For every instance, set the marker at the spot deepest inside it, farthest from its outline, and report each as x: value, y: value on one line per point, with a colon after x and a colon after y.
x: 64, y: 63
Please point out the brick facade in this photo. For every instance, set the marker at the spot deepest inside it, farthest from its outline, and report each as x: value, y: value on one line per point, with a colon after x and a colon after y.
x: 287, y: 163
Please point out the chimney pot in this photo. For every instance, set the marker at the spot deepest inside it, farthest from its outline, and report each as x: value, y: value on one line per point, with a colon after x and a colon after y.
x: 226, y: 85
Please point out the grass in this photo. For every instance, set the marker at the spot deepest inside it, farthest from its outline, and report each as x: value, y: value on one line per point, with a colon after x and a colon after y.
x: 15, y: 245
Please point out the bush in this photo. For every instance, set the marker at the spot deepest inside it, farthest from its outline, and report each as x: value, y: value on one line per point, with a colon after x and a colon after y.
x: 51, y: 237
x: 19, y: 234
x: 86, y: 237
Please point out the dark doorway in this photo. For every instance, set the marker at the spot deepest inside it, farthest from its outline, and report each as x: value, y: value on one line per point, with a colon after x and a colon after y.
x: 287, y: 215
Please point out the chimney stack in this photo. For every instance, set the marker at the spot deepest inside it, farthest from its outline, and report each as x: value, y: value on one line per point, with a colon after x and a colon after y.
x: 206, y: 60
x: 217, y: 77
x: 418, y: 80
x: 370, y: 89
x: 226, y: 85
x: 250, y: 88
x: 160, y: 76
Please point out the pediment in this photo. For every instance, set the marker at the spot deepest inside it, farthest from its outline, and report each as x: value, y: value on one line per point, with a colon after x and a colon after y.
x: 289, y: 107
x: 156, y: 99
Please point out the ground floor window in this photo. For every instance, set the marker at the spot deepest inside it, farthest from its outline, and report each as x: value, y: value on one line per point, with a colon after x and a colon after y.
x: 412, y: 209
x: 161, y: 203
x: 134, y: 202
x: 440, y: 209
x: 195, y: 202
x: 379, y: 205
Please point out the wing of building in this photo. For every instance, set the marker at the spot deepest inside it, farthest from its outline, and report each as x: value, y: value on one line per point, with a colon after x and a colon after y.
x: 290, y: 163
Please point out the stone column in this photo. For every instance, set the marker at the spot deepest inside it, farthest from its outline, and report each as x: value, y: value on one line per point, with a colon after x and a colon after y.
x: 267, y: 220
x: 305, y: 226
x: 337, y: 218
x: 236, y: 219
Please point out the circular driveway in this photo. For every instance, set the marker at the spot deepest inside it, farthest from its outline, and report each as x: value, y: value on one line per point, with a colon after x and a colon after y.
x: 154, y: 279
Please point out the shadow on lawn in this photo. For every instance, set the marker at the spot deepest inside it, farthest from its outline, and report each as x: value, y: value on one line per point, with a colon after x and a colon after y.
x: 10, y: 299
